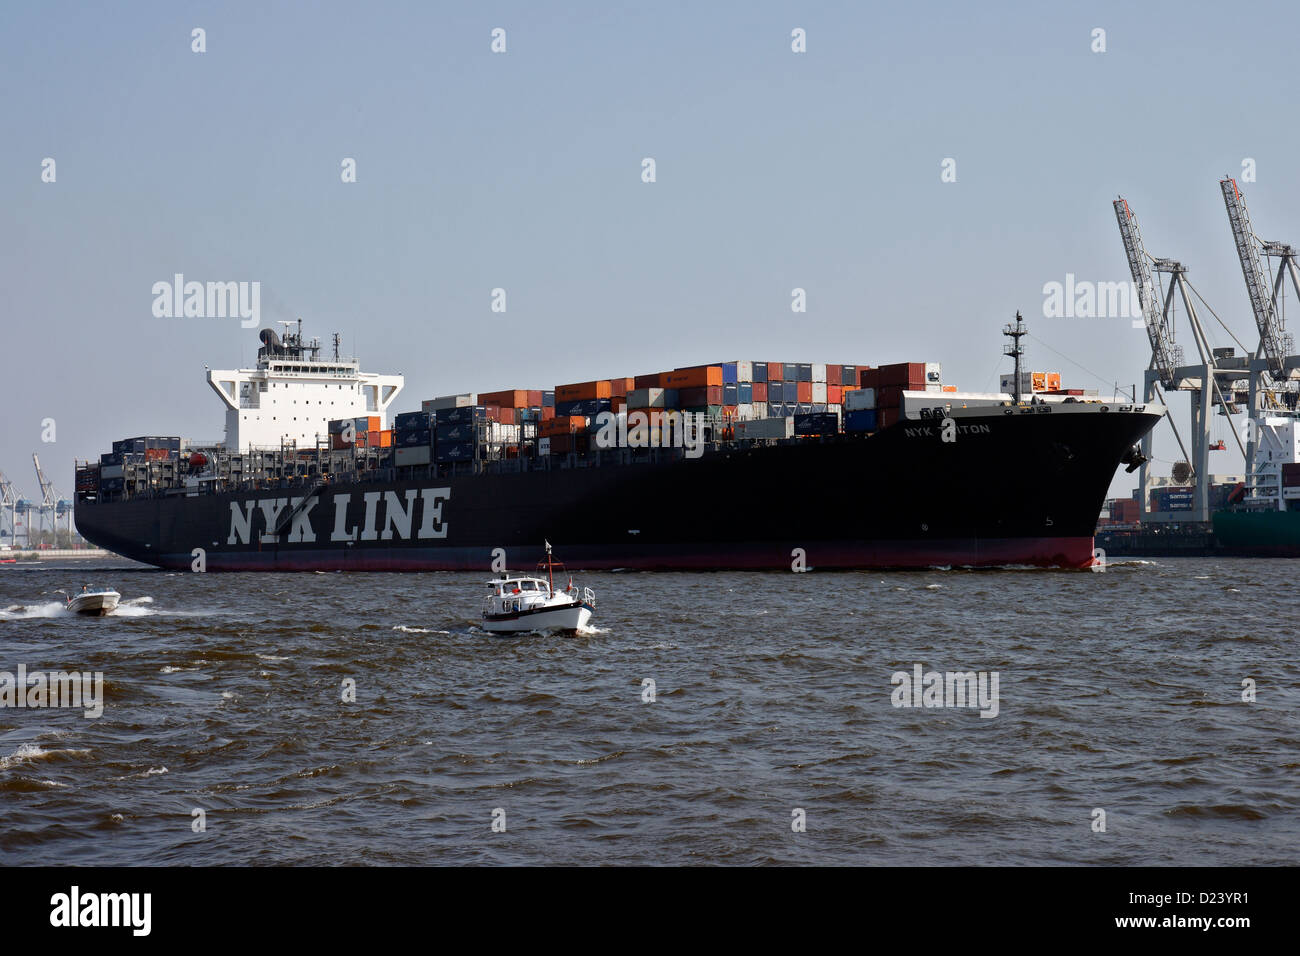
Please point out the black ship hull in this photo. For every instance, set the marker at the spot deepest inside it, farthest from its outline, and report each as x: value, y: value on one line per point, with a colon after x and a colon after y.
x: 1015, y: 486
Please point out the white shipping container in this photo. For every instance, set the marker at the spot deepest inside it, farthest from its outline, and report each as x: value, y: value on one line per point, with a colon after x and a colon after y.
x: 819, y: 375
x: 646, y: 398
x: 819, y: 387
x: 933, y: 373
x: 402, y: 457
x: 744, y: 371
x: 449, y: 401
x: 758, y: 409
x: 860, y: 399
x: 766, y: 428
x: 744, y: 412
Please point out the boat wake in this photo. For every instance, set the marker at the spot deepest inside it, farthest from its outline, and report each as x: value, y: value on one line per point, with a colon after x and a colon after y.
x: 23, y: 612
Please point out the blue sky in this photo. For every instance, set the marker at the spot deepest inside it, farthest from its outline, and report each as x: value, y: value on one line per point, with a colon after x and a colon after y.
x: 475, y: 171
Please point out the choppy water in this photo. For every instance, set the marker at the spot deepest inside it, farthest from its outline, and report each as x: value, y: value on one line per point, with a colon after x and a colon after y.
x: 1119, y: 691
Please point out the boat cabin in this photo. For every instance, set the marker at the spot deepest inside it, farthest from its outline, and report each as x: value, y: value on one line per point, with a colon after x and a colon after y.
x: 510, y: 587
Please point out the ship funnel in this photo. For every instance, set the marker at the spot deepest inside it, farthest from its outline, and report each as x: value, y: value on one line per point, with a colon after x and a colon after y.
x: 270, y: 339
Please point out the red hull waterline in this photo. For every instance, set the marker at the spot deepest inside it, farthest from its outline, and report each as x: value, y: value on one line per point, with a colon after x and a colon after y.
x: 1054, y: 552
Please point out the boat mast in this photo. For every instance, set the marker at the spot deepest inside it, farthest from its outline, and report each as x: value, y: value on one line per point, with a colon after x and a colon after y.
x: 550, y: 579
x: 1016, y: 351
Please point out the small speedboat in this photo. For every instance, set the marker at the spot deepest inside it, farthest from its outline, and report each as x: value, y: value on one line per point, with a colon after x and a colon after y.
x: 518, y: 603
x: 93, y: 602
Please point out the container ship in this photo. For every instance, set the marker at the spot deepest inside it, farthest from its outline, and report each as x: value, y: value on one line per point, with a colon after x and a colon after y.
x: 733, y: 465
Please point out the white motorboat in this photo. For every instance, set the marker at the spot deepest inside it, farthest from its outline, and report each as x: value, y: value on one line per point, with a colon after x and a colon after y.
x: 518, y: 603
x: 93, y: 602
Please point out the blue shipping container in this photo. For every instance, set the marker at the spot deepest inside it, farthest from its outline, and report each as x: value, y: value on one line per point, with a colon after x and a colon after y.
x: 408, y: 420
x: 817, y: 423
x: 729, y: 375
x: 760, y: 371
x: 863, y: 420
x: 454, y: 451
x: 413, y: 437
x: 456, y: 433
x: 460, y: 416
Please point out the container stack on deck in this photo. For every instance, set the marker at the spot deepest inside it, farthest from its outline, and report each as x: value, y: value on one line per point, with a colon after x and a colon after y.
x: 742, y: 400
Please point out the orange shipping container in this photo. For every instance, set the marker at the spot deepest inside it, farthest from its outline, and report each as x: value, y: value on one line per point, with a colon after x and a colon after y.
x: 386, y: 438
x: 804, y: 390
x: 775, y: 372
x: 834, y: 394
x: 582, y: 391
x: 1053, y: 381
x: 562, y: 425
x: 548, y: 412
x: 372, y: 423
x: 619, y: 387
x: 950, y: 388
x: 701, y: 377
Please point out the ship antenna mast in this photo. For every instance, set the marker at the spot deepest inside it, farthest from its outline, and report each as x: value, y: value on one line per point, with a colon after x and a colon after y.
x: 336, y: 346
x: 1015, y: 350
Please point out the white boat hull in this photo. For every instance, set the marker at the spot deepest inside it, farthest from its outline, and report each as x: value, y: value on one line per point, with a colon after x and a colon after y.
x: 94, y: 605
x: 569, y: 617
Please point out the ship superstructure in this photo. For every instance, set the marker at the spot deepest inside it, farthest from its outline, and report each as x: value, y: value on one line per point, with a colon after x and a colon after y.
x: 293, y: 393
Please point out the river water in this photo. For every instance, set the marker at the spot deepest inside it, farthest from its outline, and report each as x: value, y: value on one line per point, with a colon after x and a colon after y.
x: 769, y: 735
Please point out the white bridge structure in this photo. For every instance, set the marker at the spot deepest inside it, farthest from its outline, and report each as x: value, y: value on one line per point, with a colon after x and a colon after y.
x: 293, y: 393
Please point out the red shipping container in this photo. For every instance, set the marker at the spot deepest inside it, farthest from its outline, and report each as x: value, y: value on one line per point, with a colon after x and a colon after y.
x: 908, y: 375
x: 869, y: 378
x: 889, y: 396
x: 534, y: 398
x: 548, y: 412
x: 834, y: 394
x: 582, y: 391
x: 156, y: 454
x: 618, y: 403
x: 648, y: 381
x: 729, y: 411
x: 619, y: 387
x: 833, y: 375
x: 775, y: 372
x: 804, y: 392
x: 760, y: 392
x: 506, y: 416
x: 888, y: 416
x: 509, y: 398
x: 694, y: 397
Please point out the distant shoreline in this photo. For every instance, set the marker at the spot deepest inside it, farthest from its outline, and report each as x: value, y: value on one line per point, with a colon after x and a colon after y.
x: 56, y: 553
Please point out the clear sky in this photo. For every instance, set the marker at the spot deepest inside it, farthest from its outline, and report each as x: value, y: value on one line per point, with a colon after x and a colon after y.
x: 522, y: 171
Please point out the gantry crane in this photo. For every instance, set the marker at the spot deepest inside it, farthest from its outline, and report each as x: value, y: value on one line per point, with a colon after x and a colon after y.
x: 1166, y: 369
x: 1272, y: 394
x: 49, y: 504
x: 8, y: 501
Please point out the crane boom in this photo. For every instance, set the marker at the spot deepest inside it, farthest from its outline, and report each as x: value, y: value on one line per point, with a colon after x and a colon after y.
x: 48, y: 494
x: 1164, y: 354
x: 1257, y: 284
